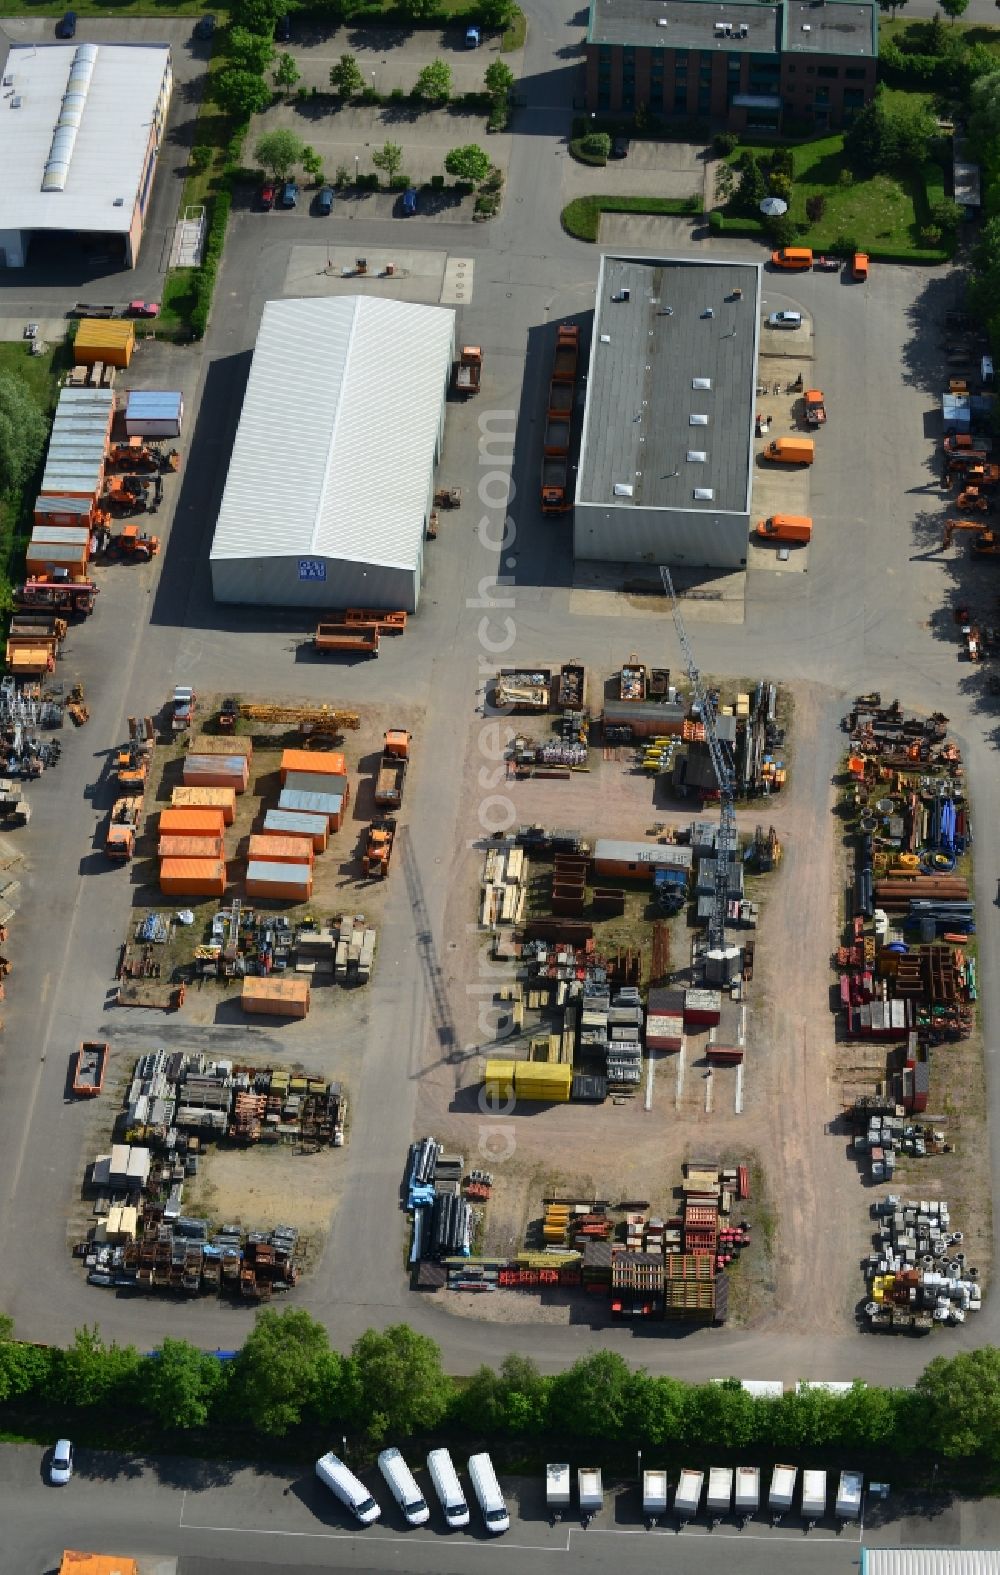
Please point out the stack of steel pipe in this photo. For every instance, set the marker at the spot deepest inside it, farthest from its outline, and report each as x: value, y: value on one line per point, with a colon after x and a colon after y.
x: 902, y: 888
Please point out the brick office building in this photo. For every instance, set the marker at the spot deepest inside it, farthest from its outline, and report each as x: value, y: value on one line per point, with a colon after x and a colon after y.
x: 745, y: 63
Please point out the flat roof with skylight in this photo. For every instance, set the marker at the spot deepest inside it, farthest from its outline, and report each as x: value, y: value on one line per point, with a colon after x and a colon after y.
x: 686, y: 24
x: 830, y: 27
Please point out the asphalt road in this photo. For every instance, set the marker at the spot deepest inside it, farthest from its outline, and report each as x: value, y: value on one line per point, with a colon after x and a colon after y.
x: 214, y: 1519
x: 868, y: 614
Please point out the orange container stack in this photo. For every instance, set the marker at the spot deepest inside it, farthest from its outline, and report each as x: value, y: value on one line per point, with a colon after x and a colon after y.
x: 223, y: 798
x: 279, y: 882
x: 287, y: 823
x: 280, y: 850
x: 193, y: 878
x: 207, y: 822
x: 192, y: 848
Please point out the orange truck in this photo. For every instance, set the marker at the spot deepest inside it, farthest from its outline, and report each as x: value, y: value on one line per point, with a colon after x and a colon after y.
x: 815, y: 405
x: 785, y: 527
x: 335, y: 638
x: 790, y: 451
x: 392, y: 769
x: 123, y: 827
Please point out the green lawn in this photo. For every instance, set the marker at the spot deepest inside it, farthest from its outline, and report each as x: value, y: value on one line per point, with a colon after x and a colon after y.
x: 909, y: 34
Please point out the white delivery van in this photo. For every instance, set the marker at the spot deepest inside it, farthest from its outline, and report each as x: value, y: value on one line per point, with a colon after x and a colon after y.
x: 448, y: 1488
x: 343, y: 1484
x: 402, y: 1485
x: 488, y: 1494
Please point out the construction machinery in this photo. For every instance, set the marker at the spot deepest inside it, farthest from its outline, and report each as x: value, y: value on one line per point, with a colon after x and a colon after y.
x: 727, y: 842
x: 392, y: 769
x: 974, y: 500
x: 134, y: 545
x: 467, y: 371
x: 448, y: 498
x: 986, y: 543
x: 123, y: 827
x: 53, y: 594
x: 815, y: 407
x: 964, y: 443
x: 315, y: 722
x: 126, y: 494
x: 228, y: 712
x: 132, y: 762
x: 135, y: 454
x: 378, y: 847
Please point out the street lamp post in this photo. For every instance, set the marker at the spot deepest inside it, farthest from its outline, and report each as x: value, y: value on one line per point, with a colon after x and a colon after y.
x: 355, y: 169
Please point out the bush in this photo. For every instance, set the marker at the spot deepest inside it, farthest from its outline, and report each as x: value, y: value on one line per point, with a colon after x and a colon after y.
x: 783, y: 230
x: 437, y: 182
x: 725, y: 143
x: 201, y: 158
x: 597, y: 142
x: 779, y: 185
x: 204, y: 282
x: 367, y: 183
x: 780, y: 162
x: 579, y: 152
x: 715, y: 221
x: 400, y: 183
x: 845, y: 178
x: 815, y: 207
x: 397, y: 95
x: 931, y: 235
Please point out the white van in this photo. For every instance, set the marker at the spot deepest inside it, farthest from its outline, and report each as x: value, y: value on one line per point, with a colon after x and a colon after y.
x: 343, y: 1484
x: 403, y: 1487
x: 488, y: 1494
x: 448, y: 1488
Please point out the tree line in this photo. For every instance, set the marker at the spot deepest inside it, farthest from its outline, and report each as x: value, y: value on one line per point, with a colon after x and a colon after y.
x: 287, y: 1379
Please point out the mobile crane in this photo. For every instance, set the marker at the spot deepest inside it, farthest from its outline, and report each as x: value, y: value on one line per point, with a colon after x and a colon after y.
x: 726, y: 848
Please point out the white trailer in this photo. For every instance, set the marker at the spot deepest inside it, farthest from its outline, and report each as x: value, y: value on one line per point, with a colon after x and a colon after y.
x: 747, y: 1493
x: 849, y: 1491
x: 813, y: 1496
x: 591, y: 1492
x: 720, y: 1493
x: 779, y: 1499
x: 557, y: 1489
x: 687, y: 1494
x: 654, y: 1496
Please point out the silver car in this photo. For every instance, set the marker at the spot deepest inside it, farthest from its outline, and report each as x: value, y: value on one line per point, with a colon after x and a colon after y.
x: 785, y: 320
x: 61, y: 1468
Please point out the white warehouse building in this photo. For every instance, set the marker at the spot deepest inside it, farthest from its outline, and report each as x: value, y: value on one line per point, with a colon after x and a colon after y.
x: 331, y: 479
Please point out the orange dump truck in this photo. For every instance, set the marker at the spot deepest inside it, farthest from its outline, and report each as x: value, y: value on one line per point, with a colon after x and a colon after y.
x: 123, y: 827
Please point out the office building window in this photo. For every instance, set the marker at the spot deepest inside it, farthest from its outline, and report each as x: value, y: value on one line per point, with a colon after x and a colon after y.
x: 855, y: 73
x: 831, y: 73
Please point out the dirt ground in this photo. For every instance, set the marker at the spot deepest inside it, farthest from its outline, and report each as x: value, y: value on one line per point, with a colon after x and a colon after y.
x: 263, y: 1187
x: 339, y: 884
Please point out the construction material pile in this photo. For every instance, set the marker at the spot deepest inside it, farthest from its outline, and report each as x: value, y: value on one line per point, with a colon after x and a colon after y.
x: 443, y: 1219
x: 918, y: 1276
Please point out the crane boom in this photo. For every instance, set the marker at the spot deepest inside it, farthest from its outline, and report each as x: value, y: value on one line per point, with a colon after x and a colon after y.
x: 723, y: 775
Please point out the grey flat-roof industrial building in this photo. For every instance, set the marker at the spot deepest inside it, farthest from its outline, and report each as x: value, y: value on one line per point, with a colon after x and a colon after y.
x: 666, y: 457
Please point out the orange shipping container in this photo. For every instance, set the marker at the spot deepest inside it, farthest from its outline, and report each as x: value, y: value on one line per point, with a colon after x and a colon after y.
x: 280, y: 850
x: 221, y: 744
x: 191, y: 822
x: 329, y: 762
x: 192, y: 878
x: 191, y: 848
x: 216, y: 771
x: 276, y: 997
x: 74, y: 1563
x: 46, y: 556
x: 223, y: 798
x: 287, y: 823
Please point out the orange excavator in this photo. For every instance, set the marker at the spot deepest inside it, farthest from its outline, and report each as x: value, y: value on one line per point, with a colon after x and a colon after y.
x: 974, y: 499
x: 986, y: 543
x: 134, y: 545
x: 378, y: 848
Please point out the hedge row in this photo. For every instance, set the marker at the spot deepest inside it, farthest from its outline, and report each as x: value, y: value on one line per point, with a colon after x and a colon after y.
x: 581, y: 217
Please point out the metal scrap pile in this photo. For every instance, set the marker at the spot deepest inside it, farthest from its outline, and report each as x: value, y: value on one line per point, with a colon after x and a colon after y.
x: 918, y: 1276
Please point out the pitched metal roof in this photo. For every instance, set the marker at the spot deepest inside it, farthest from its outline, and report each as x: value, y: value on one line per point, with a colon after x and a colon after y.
x: 338, y: 433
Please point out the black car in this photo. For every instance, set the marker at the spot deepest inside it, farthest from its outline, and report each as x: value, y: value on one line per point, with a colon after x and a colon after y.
x: 283, y: 28
x: 66, y: 27
x: 205, y: 28
x: 620, y: 147
x: 324, y: 200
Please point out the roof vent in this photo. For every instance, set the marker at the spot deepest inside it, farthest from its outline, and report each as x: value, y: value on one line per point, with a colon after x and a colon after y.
x: 623, y: 490
x: 743, y: 30
x: 697, y: 456
x: 807, y: 27
x: 8, y: 81
x: 697, y: 421
x: 15, y: 102
x: 662, y: 22
x: 605, y: 339
x: 703, y: 494
x: 701, y: 382
x: 119, y: 202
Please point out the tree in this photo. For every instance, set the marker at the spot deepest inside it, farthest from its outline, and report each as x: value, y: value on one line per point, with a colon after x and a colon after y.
x: 250, y: 51
x: 398, y: 1385
x: 498, y: 79
x: 889, y: 135
x: 984, y: 108
x: 468, y: 163
x: 241, y: 93
x: 257, y: 16
x: 655, y: 1409
x: 497, y: 14
x: 953, y: 9
x: 90, y: 1373
x: 286, y: 73
x: 418, y: 10
x: 522, y: 1395
x: 23, y: 434
x: 278, y: 1373
x: 346, y: 77
x: 721, y: 1415
x: 961, y: 1400
x: 892, y: 5
x: 278, y: 152
x: 434, y: 82
x: 389, y: 159
x: 752, y: 188
x: 24, y: 1369
x: 312, y: 165
x: 179, y: 1384
x: 591, y: 1398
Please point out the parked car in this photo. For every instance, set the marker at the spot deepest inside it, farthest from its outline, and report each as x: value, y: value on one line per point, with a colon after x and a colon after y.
x: 324, y: 199
x: 205, y: 28
x: 473, y: 38
x: 267, y: 195
x: 620, y: 148
x: 409, y: 202
x: 283, y: 28
x: 289, y: 194
x: 66, y: 26
x: 785, y: 320
x: 61, y: 1468
x: 859, y: 266
x: 792, y: 257
x: 143, y: 309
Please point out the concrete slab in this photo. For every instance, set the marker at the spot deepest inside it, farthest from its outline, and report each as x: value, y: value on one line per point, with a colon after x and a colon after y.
x: 652, y: 169
x: 330, y: 270
x: 459, y: 276
x: 639, y: 232
x: 49, y: 328
x: 598, y: 591
x: 765, y: 556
